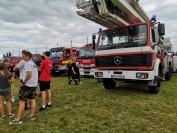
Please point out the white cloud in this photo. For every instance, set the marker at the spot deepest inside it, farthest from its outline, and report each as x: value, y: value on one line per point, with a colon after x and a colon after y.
x: 34, y: 23
x: 150, y: 7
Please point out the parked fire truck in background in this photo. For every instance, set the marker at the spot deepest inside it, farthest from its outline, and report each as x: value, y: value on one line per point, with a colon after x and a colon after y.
x: 68, y: 55
x: 168, y: 58
x: 56, y: 55
x: 132, y: 48
x: 36, y: 58
x: 86, y: 58
x: 175, y: 63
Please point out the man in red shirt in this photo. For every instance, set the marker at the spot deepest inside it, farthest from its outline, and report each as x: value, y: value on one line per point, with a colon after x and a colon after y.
x: 44, y: 80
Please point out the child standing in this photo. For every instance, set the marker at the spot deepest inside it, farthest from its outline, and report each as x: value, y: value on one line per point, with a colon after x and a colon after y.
x: 5, y: 91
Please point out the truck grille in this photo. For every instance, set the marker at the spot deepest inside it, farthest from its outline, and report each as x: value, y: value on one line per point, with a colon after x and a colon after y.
x: 124, y: 60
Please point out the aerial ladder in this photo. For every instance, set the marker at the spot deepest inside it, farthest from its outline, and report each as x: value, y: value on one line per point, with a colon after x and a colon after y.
x: 111, y: 13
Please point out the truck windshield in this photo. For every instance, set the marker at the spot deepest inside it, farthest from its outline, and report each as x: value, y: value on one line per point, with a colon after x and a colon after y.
x: 56, y: 54
x: 133, y: 36
x: 86, y: 52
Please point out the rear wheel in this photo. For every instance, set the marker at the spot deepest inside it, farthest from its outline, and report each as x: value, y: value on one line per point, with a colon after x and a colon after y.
x: 109, y: 83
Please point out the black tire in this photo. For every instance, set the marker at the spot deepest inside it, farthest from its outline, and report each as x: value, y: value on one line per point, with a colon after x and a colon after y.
x: 109, y: 83
x: 155, y: 89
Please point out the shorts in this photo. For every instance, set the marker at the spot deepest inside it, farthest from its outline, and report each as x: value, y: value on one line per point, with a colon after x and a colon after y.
x: 27, y: 93
x: 5, y: 92
x: 44, y: 85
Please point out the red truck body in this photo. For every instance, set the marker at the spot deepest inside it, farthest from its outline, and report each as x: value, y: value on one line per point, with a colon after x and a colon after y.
x: 86, y: 58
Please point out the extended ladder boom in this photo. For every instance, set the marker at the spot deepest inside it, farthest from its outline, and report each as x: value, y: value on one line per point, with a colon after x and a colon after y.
x: 110, y: 13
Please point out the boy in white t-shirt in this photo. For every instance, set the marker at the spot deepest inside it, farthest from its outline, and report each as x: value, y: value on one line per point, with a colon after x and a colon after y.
x: 28, y: 88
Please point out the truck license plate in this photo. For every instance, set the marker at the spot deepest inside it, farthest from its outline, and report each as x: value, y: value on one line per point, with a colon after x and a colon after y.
x: 118, y: 76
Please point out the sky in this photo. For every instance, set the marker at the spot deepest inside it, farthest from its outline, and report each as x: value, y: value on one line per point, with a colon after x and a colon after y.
x: 37, y: 25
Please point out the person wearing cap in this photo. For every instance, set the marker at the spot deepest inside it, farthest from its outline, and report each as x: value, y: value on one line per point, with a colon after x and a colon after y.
x: 45, y: 80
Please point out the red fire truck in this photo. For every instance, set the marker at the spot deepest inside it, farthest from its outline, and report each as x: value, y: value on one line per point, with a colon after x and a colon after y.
x: 132, y: 48
x: 56, y: 56
x: 61, y: 57
x: 86, y: 58
x: 68, y: 55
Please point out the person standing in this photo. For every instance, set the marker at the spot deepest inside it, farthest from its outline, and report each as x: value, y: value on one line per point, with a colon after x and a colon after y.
x: 20, y: 67
x: 73, y: 72
x: 5, y: 76
x: 45, y: 80
x: 27, y: 89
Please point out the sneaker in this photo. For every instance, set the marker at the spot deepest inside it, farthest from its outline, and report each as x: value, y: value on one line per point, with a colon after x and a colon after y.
x: 15, y: 122
x: 12, y: 99
x: 31, y: 118
x: 2, y: 117
x: 42, y: 109
x: 49, y: 105
x: 11, y: 115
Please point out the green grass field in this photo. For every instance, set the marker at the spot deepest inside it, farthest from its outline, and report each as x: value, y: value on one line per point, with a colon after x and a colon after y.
x: 89, y: 108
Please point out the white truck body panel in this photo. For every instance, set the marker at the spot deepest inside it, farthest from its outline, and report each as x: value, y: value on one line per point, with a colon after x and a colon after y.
x: 87, y: 72
x: 175, y: 63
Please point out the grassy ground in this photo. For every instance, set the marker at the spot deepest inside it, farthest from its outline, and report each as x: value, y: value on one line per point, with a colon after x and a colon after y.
x: 89, y: 108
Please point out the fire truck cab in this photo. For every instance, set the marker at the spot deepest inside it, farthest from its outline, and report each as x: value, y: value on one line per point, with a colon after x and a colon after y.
x: 86, y: 58
x: 56, y: 54
x: 68, y: 55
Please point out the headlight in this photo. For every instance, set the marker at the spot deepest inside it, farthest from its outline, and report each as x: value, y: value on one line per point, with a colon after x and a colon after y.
x: 142, y: 75
x: 99, y: 74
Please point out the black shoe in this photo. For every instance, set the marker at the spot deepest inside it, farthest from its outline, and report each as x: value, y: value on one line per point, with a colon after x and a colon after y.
x: 49, y: 105
x: 42, y: 109
x: 76, y: 83
x: 69, y: 82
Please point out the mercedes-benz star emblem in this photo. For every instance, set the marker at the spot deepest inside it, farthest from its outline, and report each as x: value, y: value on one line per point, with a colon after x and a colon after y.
x: 117, y: 60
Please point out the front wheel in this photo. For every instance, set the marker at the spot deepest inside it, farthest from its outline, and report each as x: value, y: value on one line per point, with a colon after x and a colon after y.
x: 155, y: 89
x: 109, y: 83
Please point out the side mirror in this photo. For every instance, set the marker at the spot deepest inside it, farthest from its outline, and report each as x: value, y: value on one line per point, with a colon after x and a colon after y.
x: 161, y: 29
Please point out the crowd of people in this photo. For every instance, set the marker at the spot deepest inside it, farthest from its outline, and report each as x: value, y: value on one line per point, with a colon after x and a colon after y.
x: 29, y: 75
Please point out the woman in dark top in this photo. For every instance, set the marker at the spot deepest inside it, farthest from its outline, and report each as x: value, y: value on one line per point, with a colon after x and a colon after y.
x: 5, y: 76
